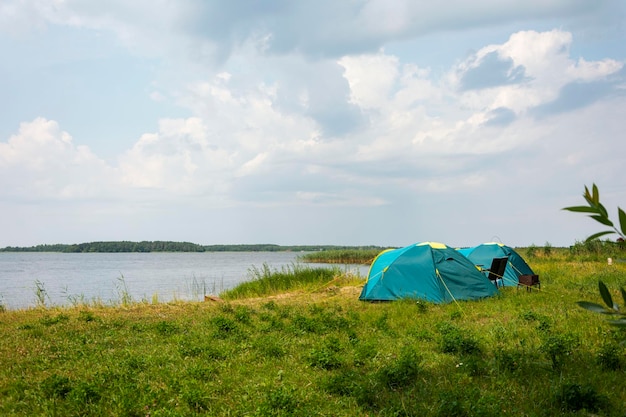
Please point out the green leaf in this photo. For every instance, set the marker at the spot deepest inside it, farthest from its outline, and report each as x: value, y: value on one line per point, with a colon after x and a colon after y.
x: 597, y: 235
x: 596, y: 194
x: 623, y: 294
x: 606, y: 295
x: 596, y: 308
x: 602, y: 219
x: 587, y: 196
x: 622, y: 221
x: 603, y: 211
x: 582, y: 209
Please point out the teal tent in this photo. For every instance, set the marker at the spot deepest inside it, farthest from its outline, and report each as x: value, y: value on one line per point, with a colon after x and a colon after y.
x: 483, y: 255
x: 426, y: 271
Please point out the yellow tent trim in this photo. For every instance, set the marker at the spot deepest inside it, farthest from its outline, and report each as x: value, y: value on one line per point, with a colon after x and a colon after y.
x: 373, y: 262
x: 494, y: 243
x: 434, y: 245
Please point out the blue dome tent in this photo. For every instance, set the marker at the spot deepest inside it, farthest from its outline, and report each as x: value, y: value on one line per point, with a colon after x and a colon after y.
x: 426, y: 271
x: 483, y: 255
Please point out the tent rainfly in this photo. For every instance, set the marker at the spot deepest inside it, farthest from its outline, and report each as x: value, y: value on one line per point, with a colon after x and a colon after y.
x: 426, y: 271
x: 483, y: 255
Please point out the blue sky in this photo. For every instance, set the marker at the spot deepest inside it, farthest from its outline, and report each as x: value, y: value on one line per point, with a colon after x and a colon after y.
x: 382, y: 122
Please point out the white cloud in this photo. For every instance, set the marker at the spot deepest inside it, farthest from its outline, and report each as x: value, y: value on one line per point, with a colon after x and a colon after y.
x: 301, y: 106
x: 41, y: 162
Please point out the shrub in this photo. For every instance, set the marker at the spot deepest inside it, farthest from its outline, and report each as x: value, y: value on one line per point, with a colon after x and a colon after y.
x: 166, y: 328
x: 325, y: 357
x: 547, y: 249
x: 558, y: 346
x: 403, y: 371
x: 305, y: 324
x: 609, y: 357
x: 455, y: 340
x: 574, y: 397
x: 56, y: 386
x: 50, y: 321
x: 508, y: 360
x: 243, y: 314
x: 195, y: 397
x: 270, y: 347
x: 224, y: 326
x: 451, y: 405
x: 281, y: 401
x: 86, y: 316
x: 346, y: 383
x: 85, y: 393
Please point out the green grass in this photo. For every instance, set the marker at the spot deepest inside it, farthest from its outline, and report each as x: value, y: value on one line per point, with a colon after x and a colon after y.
x: 265, y: 281
x: 342, y: 256
x: 301, y: 344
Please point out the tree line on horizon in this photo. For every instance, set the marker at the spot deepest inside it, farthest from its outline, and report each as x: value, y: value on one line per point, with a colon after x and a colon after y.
x: 170, y: 246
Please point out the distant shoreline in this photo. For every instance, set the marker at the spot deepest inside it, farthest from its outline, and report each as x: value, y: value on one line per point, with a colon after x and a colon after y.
x: 170, y: 246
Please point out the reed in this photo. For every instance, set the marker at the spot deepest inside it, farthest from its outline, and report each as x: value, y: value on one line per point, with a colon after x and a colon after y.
x: 266, y: 281
x: 342, y: 256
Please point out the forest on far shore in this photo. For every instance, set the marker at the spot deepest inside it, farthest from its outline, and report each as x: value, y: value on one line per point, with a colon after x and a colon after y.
x: 168, y: 246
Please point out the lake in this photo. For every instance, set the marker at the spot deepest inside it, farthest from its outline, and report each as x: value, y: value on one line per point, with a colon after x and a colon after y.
x: 67, y: 278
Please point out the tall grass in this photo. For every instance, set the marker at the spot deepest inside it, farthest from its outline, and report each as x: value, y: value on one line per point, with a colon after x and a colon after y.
x: 342, y: 256
x: 266, y: 281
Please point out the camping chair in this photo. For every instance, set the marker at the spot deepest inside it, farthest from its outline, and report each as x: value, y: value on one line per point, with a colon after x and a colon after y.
x: 496, y: 271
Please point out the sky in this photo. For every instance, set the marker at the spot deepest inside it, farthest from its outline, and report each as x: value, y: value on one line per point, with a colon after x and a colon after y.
x: 353, y: 122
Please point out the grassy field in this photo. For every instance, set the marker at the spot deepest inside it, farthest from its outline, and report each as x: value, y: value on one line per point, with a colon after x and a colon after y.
x: 299, y: 343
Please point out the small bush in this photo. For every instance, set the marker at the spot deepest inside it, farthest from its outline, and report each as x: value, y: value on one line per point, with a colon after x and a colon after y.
x: 574, y: 397
x: 271, y: 322
x: 473, y: 365
x: 85, y: 393
x: 451, y: 405
x: 306, y: 324
x: 281, y: 401
x: 346, y: 383
x: 270, y: 347
x: 558, y: 346
x: 327, y: 356
x: 363, y: 352
x: 56, y: 386
x: 196, y: 397
x: 224, y: 326
x: 86, y: 316
x: 609, y: 357
x: 529, y: 315
x: 455, y: 340
x: 50, y: 321
x: 403, y: 371
x: 531, y: 251
x: 166, y: 328
x: 382, y: 322
x: 243, y: 314
x: 508, y: 360
x: 270, y: 305
x: 547, y: 249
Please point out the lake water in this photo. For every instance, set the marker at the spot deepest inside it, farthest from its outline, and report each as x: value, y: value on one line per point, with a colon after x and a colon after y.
x: 107, y: 277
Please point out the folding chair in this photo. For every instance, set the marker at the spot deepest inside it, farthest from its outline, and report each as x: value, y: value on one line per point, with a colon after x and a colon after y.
x: 496, y: 271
